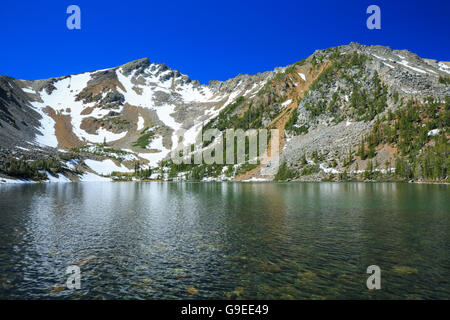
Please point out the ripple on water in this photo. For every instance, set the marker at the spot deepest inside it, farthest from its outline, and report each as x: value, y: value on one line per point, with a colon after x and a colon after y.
x: 224, y: 241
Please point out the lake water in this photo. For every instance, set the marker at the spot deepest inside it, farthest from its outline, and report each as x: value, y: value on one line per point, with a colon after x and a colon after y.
x: 224, y: 240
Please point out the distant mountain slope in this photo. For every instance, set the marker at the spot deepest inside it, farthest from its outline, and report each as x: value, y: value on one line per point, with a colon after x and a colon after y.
x: 327, y: 108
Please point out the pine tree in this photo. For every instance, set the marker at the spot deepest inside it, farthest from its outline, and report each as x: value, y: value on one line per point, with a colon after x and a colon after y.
x: 362, y: 150
x: 303, y: 160
x: 315, y: 156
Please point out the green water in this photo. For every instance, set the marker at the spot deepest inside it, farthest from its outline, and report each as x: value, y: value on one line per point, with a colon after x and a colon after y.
x: 224, y: 240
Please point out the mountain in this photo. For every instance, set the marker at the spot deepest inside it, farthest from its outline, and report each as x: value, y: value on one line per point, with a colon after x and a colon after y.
x: 349, y: 112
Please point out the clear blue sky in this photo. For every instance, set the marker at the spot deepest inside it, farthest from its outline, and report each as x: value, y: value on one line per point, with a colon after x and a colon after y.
x: 206, y: 39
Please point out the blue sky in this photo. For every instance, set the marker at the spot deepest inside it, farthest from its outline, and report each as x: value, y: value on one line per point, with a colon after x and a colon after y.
x: 208, y: 40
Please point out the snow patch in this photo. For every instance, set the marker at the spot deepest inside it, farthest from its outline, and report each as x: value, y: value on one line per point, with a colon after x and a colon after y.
x: 434, y: 132
x: 28, y: 90
x: 14, y: 181
x: 286, y: 103
x: 60, y: 178
x: 140, y: 123
x: 378, y: 57
x: 328, y: 170
x: 443, y: 67
x: 92, y: 177
x: 47, y: 136
x: 406, y: 64
x: 253, y: 179
x: 105, y: 167
x: 153, y: 158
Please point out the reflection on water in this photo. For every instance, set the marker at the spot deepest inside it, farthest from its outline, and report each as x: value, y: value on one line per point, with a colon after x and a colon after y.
x: 224, y: 240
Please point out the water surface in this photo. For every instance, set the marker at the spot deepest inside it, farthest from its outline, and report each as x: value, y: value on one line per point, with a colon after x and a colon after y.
x: 224, y: 240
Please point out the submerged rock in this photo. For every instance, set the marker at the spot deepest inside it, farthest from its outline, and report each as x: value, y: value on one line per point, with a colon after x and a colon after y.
x: 307, y: 275
x: 84, y: 261
x: 192, y: 290
x: 405, y: 270
x: 238, y: 291
x: 57, y: 288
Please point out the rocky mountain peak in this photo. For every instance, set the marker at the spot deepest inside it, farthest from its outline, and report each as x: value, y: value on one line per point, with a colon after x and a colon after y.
x: 137, y: 65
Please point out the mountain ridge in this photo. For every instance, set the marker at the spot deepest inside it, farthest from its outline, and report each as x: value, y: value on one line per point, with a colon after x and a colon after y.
x: 143, y: 110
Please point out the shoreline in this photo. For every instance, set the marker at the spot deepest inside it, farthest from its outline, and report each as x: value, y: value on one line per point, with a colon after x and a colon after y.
x: 9, y: 181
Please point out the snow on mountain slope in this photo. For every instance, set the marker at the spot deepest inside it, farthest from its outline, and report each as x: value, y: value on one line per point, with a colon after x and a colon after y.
x: 114, y: 106
x: 63, y: 100
x: 105, y: 167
